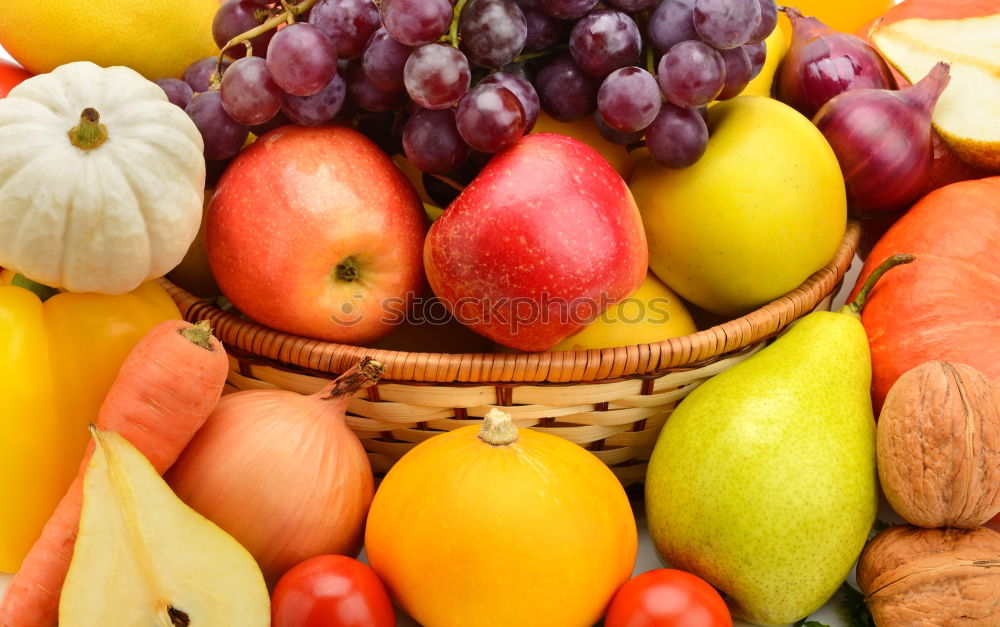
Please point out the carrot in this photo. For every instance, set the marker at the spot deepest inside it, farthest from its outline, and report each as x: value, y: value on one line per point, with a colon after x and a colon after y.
x: 166, y: 388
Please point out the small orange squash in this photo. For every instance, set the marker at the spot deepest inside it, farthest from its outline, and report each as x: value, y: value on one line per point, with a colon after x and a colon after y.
x: 498, y: 526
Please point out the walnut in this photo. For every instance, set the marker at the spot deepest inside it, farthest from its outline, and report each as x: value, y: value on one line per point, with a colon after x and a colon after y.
x: 946, y: 577
x: 939, y: 446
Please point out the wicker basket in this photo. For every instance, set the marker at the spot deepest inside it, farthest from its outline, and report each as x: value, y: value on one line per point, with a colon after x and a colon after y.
x: 612, y: 401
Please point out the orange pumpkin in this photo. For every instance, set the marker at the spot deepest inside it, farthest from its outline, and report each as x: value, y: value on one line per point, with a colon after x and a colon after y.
x: 946, y: 304
x: 498, y: 526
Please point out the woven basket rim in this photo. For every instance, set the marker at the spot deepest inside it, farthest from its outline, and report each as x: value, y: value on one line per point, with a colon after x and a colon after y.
x: 583, y: 366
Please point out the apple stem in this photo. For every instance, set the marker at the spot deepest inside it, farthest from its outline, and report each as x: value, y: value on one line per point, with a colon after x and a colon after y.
x: 288, y: 15
x: 89, y: 133
x: 895, y: 260
x: 498, y: 428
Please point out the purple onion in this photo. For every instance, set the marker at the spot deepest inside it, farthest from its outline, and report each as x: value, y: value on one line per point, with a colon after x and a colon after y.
x: 882, y: 140
x: 822, y: 63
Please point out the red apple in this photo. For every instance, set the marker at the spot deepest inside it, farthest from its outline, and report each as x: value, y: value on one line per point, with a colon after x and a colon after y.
x: 314, y: 231
x: 543, y: 240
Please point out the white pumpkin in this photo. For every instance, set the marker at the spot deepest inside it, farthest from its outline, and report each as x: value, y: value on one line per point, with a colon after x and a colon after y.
x: 101, y: 216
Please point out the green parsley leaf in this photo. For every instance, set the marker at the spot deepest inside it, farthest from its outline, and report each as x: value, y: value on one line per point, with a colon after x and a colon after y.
x: 852, y: 608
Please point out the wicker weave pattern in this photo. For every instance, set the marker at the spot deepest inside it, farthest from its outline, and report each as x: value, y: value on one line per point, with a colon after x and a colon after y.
x: 611, y: 401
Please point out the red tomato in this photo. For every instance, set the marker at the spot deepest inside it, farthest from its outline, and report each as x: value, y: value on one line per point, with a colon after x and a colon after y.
x: 667, y: 598
x: 331, y: 591
x: 10, y: 75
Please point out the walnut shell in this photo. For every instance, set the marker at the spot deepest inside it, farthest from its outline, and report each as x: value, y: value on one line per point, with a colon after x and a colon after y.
x: 938, y: 449
x: 946, y: 577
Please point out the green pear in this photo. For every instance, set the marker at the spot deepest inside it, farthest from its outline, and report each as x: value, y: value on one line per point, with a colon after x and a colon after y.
x: 143, y: 557
x: 763, y: 480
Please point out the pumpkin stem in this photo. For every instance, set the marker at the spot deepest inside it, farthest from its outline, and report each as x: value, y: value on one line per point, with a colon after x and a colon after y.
x: 498, y: 429
x: 862, y: 297
x: 43, y: 292
x: 199, y: 333
x: 89, y: 133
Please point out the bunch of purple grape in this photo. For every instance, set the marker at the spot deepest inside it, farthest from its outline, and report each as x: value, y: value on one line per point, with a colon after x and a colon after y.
x: 469, y: 76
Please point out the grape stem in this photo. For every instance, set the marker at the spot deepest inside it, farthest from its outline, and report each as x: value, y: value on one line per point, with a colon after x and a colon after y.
x: 541, y: 53
x: 453, y: 31
x: 288, y: 15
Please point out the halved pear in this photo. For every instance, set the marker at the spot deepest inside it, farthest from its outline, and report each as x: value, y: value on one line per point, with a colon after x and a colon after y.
x: 968, y: 114
x: 144, y: 558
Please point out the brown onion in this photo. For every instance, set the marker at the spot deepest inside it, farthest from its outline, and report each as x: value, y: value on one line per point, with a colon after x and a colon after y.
x: 821, y: 63
x: 282, y: 473
x: 882, y: 140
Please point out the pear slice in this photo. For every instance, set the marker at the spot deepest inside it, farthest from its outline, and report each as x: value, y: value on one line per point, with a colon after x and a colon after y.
x: 968, y: 114
x: 144, y: 558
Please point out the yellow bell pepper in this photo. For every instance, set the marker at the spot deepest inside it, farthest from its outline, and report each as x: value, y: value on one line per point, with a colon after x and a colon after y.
x: 58, y: 358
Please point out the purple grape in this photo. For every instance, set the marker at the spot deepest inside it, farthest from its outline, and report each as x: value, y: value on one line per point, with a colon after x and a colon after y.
x: 629, y: 99
x: 634, y: 6
x: 523, y: 89
x: 613, y: 135
x: 757, y: 53
x: 367, y: 95
x: 178, y: 92
x: 199, y: 74
x: 604, y: 41
x: 677, y: 137
x: 416, y: 22
x: 493, y: 32
x: 301, y: 59
x: 432, y: 143
x: 489, y: 118
x: 768, y: 20
x: 222, y: 135
x: 348, y: 23
x: 234, y: 18
x: 725, y: 24
x: 384, y: 60
x: 567, y: 9
x: 691, y: 74
x: 738, y: 71
x: 566, y: 92
x: 436, y: 76
x: 318, y: 108
x: 543, y: 30
x: 670, y: 23
x: 249, y: 94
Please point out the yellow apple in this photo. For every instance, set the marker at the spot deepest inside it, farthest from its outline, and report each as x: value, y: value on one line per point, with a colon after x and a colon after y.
x: 652, y: 313
x: 763, y: 208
